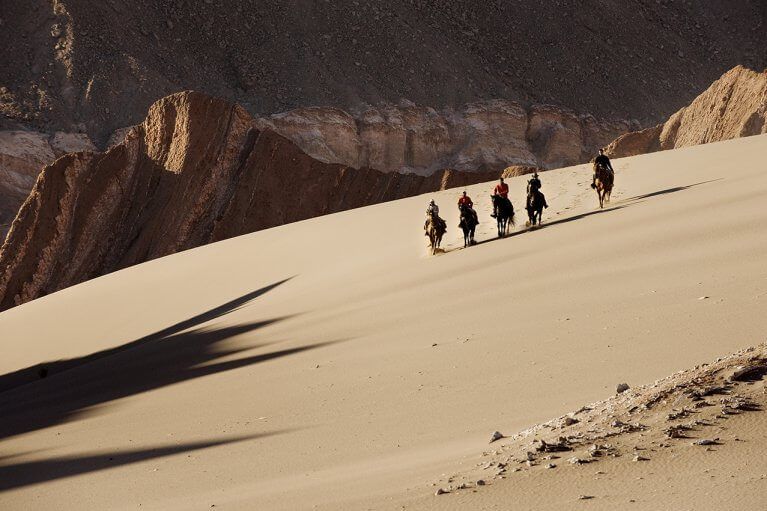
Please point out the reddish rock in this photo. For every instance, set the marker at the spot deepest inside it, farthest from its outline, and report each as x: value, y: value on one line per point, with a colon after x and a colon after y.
x: 197, y: 170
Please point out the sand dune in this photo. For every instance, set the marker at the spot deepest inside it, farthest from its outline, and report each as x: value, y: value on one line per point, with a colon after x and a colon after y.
x: 331, y: 364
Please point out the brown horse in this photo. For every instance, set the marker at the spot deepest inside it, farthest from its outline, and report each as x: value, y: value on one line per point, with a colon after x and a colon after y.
x: 603, y: 184
x: 435, y: 229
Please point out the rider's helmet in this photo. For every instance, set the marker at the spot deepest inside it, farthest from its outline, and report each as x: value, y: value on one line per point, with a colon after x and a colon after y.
x: 431, y: 201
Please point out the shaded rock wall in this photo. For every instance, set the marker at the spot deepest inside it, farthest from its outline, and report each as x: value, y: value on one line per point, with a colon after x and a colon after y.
x: 22, y: 155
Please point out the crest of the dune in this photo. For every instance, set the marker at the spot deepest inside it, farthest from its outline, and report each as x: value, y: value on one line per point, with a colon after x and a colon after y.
x: 197, y: 170
x: 734, y: 106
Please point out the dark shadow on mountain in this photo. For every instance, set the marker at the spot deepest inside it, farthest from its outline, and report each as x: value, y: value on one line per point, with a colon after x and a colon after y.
x: 25, y: 473
x: 173, y: 355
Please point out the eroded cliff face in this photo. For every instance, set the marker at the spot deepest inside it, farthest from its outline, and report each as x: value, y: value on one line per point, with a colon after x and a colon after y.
x: 485, y: 136
x: 22, y: 155
x: 734, y: 106
x: 197, y: 170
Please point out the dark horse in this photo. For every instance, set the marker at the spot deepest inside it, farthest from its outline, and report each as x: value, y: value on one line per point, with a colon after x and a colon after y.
x: 603, y: 183
x: 535, y: 203
x: 435, y: 229
x: 504, y: 215
x: 468, y: 223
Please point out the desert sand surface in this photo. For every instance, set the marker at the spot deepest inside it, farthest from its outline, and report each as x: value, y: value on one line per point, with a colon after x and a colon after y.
x: 332, y: 364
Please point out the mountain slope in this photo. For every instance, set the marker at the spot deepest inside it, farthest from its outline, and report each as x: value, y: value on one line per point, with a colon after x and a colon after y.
x: 331, y: 364
x: 98, y: 65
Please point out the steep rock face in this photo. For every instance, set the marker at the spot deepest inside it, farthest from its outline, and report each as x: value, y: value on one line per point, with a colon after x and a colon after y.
x: 734, y: 106
x: 197, y: 170
x: 22, y: 155
x: 489, y: 135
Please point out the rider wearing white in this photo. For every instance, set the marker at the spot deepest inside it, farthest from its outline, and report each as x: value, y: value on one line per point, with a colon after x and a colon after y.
x: 432, y: 209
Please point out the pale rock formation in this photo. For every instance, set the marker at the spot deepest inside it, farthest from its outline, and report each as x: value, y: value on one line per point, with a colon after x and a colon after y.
x: 481, y: 136
x: 734, y: 106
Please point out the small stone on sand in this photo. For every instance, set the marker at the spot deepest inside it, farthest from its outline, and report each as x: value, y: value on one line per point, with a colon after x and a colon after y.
x: 496, y: 436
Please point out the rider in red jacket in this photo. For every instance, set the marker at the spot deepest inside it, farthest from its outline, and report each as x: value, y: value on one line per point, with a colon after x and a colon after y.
x: 466, y: 201
x: 501, y: 190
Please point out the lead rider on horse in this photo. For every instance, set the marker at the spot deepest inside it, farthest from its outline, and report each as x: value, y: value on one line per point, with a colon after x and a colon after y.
x: 533, y: 188
x: 601, y: 161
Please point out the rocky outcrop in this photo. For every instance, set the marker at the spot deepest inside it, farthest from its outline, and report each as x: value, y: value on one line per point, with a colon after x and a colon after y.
x: 485, y: 136
x: 734, y: 106
x: 22, y: 155
x: 197, y: 170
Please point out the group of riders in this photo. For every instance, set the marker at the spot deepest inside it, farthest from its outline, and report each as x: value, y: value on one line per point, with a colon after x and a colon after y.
x: 501, y: 191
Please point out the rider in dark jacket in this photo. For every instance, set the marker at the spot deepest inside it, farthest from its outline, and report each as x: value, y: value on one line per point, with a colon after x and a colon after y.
x: 601, y: 161
x: 533, y: 187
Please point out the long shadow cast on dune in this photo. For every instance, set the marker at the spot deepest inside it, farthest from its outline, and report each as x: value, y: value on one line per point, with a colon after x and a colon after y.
x: 624, y: 203
x: 25, y: 473
x: 57, y: 392
x: 72, y: 389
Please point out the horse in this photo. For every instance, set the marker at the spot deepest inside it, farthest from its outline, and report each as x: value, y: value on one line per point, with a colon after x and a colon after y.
x: 504, y: 214
x: 468, y: 224
x: 435, y: 229
x: 535, y: 203
x: 603, y: 183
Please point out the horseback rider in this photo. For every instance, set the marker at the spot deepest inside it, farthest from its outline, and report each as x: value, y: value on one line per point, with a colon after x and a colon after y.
x: 501, y: 190
x: 432, y: 211
x: 601, y: 161
x: 533, y: 188
x: 465, y: 202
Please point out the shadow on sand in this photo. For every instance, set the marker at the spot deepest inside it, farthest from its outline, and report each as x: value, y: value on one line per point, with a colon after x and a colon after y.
x: 39, y: 471
x: 73, y: 389
x: 624, y: 203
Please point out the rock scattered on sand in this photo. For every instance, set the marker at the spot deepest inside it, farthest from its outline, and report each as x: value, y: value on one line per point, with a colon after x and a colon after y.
x: 560, y: 445
x: 481, y: 482
x: 622, y: 387
x: 706, y: 441
x: 441, y: 491
x: 749, y: 373
x: 585, y: 497
x: 638, y: 457
x: 496, y: 436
